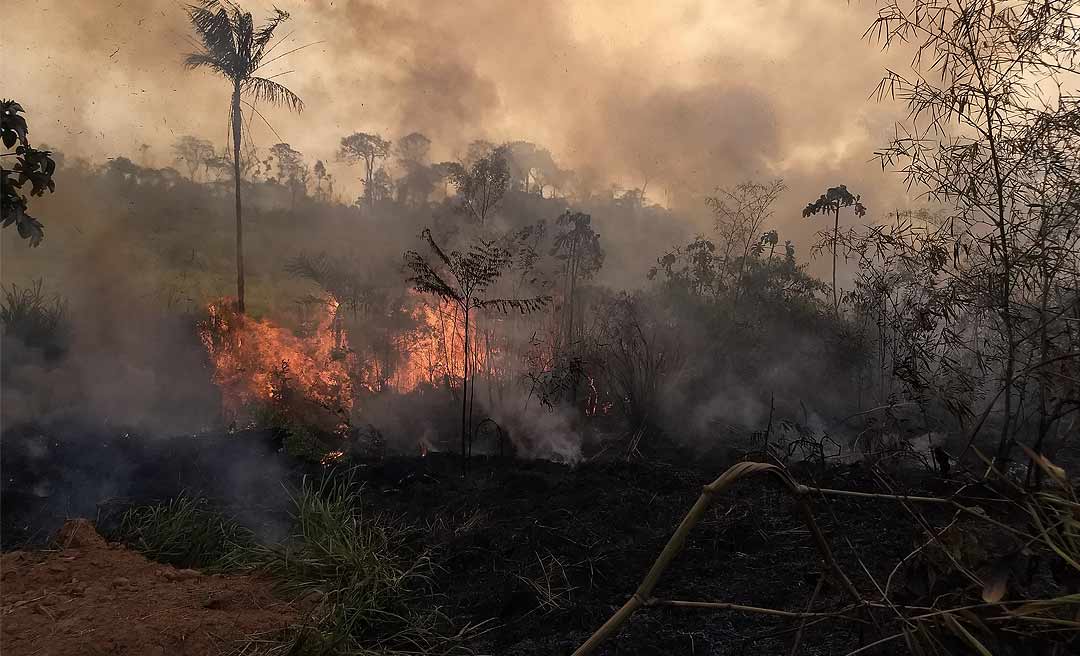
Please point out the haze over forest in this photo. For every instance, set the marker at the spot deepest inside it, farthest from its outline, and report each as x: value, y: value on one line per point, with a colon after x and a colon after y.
x: 679, y: 96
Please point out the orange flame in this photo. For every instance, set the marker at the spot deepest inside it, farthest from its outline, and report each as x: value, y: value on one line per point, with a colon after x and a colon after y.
x: 257, y: 361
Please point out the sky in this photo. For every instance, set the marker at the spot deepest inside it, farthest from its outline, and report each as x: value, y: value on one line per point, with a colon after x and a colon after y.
x: 682, y: 95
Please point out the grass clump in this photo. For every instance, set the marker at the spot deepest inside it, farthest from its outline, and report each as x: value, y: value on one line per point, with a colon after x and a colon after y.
x: 186, y: 532
x: 366, y: 589
x: 31, y: 316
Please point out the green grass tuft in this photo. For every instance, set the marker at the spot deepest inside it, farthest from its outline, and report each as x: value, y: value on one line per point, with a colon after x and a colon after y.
x: 186, y: 532
x: 367, y: 592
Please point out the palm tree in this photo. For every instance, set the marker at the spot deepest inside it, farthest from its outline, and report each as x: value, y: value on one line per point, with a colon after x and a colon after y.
x: 236, y: 49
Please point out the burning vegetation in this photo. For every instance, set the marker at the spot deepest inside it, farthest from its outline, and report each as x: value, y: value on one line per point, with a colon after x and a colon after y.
x: 457, y: 394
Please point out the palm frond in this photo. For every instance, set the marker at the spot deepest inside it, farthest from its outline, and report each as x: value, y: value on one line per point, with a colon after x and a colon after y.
x: 522, y: 305
x: 262, y: 89
x: 215, y: 23
x: 206, y: 60
x: 262, y: 36
x: 243, y: 34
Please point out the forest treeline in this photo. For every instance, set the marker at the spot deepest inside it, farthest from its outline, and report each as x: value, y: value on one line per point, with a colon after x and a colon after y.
x: 961, y: 320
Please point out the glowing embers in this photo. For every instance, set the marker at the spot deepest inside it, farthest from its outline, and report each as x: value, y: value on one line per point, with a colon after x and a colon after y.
x: 332, y: 457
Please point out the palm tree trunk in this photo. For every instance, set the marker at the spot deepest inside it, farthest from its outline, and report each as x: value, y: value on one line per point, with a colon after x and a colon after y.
x: 236, y: 133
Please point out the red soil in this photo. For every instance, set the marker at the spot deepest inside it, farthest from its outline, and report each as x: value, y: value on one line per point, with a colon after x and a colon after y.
x: 92, y: 598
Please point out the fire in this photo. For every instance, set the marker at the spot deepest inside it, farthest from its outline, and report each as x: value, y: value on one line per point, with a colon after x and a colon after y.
x: 434, y: 353
x: 331, y: 457
x: 255, y: 361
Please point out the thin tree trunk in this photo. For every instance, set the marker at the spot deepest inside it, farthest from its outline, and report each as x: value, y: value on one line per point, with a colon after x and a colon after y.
x: 236, y: 132
x: 465, y: 393
x: 836, y: 239
x: 472, y: 401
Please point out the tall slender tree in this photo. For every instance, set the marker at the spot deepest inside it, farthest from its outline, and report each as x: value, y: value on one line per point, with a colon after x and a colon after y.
x: 235, y: 48
x: 831, y: 202
x: 465, y: 279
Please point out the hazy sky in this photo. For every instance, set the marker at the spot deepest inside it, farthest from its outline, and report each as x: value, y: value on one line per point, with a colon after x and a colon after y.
x: 686, y: 94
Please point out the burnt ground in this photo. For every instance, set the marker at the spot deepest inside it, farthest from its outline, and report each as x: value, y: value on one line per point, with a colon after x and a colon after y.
x: 551, y: 552
x: 542, y: 552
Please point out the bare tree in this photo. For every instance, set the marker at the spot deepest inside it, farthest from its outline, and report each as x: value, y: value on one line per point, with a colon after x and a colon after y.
x: 741, y: 212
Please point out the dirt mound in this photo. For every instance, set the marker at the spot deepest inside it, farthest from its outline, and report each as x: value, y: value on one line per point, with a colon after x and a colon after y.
x: 89, y: 598
x: 79, y: 534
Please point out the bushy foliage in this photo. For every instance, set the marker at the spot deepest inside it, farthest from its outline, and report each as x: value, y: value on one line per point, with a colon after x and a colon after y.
x: 31, y: 165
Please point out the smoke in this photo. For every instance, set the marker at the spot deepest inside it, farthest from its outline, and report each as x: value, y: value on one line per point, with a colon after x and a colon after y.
x: 675, y: 98
x: 682, y: 96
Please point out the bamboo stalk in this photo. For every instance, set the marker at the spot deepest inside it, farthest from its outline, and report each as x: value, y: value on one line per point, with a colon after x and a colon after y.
x: 643, y: 595
x: 810, y: 604
x: 673, y: 547
x: 722, y: 605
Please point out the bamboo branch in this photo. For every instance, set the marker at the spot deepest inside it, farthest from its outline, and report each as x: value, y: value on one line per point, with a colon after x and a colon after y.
x: 643, y: 595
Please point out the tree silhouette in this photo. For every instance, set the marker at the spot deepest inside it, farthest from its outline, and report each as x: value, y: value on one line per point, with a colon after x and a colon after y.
x: 483, y: 184
x: 369, y: 149
x: 741, y: 211
x: 193, y: 153
x: 465, y: 279
x: 831, y: 202
x: 235, y: 48
x: 31, y: 165
x: 292, y: 171
x: 320, y: 173
x: 578, y: 246
x: 412, y: 150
